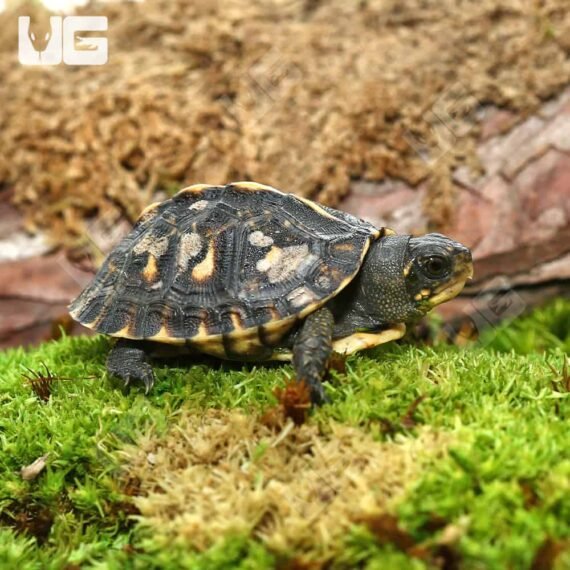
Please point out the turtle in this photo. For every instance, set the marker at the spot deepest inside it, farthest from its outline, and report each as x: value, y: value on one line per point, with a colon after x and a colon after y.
x: 244, y: 271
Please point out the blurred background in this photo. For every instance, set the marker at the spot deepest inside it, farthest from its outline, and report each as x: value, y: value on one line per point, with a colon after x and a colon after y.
x: 422, y: 115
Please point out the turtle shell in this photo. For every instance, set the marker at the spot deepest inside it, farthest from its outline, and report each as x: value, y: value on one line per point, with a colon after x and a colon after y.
x: 229, y: 269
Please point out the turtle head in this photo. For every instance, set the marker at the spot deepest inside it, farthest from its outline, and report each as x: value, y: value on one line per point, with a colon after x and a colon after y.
x: 404, y: 277
x: 436, y: 270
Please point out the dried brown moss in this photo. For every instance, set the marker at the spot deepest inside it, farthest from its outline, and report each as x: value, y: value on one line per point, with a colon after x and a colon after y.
x: 299, y: 94
x: 296, y: 490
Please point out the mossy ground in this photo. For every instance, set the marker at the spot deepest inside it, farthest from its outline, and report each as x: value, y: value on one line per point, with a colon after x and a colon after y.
x: 500, y: 498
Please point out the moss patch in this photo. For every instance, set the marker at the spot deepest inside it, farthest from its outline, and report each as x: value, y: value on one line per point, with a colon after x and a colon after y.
x: 297, y: 490
x: 499, y: 497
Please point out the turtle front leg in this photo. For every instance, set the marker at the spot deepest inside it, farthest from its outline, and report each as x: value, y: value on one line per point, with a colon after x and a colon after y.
x: 311, y: 351
x: 129, y: 362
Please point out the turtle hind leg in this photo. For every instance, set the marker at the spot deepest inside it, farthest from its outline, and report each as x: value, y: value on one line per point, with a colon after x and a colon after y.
x: 128, y: 361
x: 311, y: 351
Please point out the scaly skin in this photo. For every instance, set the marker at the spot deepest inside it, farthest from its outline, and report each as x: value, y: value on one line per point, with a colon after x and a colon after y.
x: 311, y: 351
x: 129, y: 362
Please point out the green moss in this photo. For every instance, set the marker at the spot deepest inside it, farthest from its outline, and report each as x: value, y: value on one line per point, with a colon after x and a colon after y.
x: 506, y: 481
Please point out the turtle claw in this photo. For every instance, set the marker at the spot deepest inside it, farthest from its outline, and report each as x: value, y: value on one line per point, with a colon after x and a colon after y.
x: 142, y: 374
x: 148, y: 381
x: 128, y: 361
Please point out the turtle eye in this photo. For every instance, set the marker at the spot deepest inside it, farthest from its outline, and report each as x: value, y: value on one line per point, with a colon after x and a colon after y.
x: 435, y: 266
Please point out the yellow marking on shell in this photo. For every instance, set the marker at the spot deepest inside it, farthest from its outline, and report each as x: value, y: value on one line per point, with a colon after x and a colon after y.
x: 213, y: 346
x: 165, y: 337
x: 150, y: 272
x: 149, y: 210
x: 314, y: 206
x: 205, y: 269
x: 362, y: 341
x: 246, y: 344
x: 236, y: 322
x: 161, y: 336
x: 272, y: 256
x: 282, y: 355
x: 387, y: 232
x: 272, y: 337
x: 124, y: 332
x: 275, y: 315
x: 418, y: 297
x: 254, y: 186
x: 407, y: 269
x: 202, y: 329
x: 194, y: 188
x: 275, y: 330
x: 344, y: 246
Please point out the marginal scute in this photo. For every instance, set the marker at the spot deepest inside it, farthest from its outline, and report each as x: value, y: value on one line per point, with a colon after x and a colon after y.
x: 149, y: 211
x: 314, y: 206
x: 162, y: 335
x: 194, y: 189
x: 125, y: 332
x: 236, y: 321
x: 203, y: 328
x: 301, y: 297
x: 253, y: 186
